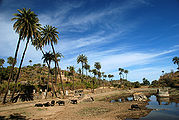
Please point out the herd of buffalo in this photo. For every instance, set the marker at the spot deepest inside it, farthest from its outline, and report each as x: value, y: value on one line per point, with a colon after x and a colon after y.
x: 52, y: 103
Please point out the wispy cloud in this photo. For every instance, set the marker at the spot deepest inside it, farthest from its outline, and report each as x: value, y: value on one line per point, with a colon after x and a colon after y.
x: 111, y: 62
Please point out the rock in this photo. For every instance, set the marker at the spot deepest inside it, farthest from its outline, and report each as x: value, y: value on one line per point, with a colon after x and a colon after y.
x: 139, y: 97
x: 88, y: 99
x: 163, y: 92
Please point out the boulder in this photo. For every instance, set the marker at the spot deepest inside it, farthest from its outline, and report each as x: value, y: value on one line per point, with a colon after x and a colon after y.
x: 87, y: 98
x: 139, y: 97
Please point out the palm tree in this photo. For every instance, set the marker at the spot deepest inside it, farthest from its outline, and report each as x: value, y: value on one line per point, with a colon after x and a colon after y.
x: 83, y: 59
x: 126, y: 72
x: 176, y: 61
x: 87, y: 67
x: 99, y: 76
x: 59, y: 56
x: 79, y: 70
x: 105, y: 76
x: 26, y: 25
x: 48, y: 57
x: 50, y: 36
x: 109, y: 76
x: 94, y: 71
x: 97, y: 65
x: 11, y: 61
x: 72, y: 72
x: 30, y: 61
x: 112, y: 78
x: 120, y: 73
x: 121, y: 70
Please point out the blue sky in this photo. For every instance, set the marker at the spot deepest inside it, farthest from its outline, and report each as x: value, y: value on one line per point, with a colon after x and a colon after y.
x: 141, y: 36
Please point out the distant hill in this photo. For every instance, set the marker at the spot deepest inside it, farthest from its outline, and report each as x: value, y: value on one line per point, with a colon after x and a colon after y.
x: 169, y: 79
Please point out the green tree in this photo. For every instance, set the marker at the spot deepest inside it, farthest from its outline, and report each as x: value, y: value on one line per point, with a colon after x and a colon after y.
x: 26, y: 25
x: 99, y: 76
x: 83, y: 59
x: 176, y: 61
x: 126, y: 72
x: 48, y: 57
x: 136, y: 84
x: 72, y: 73
x: 87, y: 67
x: 94, y: 71
x: 50, y: 36
x: 11, y: 60
x: 59, y: 56
x: 97, y: 65
x: 120, y: 73
x: 155, y: 83
x: 121, y: 70
x: 30, y: 61
x: 79, y: 70
x: 145, y: 81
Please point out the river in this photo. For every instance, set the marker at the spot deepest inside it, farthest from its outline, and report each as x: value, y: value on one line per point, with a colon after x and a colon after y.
x: 165, y: 109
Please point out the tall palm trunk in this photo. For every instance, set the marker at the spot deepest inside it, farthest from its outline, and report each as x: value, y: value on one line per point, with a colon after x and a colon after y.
x: 86, y: 72
x: 48, y: 81
x: 55, y: 73
x: 82, y: 68
x: 82, y: 71
x: 19, y: 69
x: 53, y: 86
x: 48, y: 67
x: 59, y: 71
x: 93, y: 84
x: 11, y: 71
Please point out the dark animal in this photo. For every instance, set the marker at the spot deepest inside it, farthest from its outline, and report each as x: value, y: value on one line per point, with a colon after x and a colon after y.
x: 134, y: 106
x: 92, y: 98
x: 74, y: 101
x: 78, y: 91
x: 39, y: 105
x: 52, y: 102
x: 47, y: 104
x: 60, y: 102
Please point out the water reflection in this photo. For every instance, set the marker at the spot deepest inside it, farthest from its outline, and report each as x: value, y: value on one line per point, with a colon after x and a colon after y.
x: 165, y: 109
x: 166, y: 101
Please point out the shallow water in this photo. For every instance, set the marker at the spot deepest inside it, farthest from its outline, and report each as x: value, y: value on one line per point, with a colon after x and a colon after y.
x: 166, y: 109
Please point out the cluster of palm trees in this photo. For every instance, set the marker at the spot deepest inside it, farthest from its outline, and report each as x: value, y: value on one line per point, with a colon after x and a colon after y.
x: 96, y: 71
x: 28, y: 27
x: 10, y: 61
x: 121, y: 71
